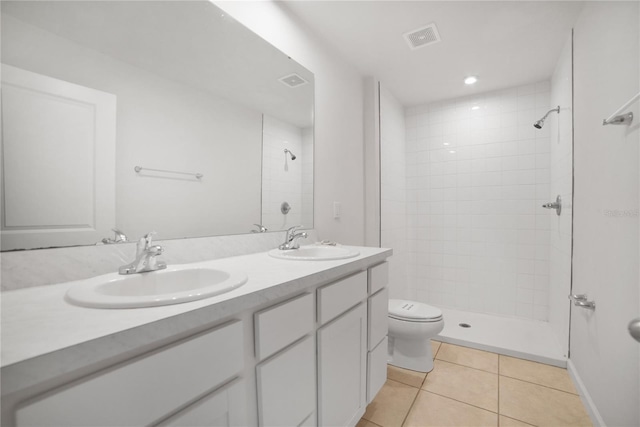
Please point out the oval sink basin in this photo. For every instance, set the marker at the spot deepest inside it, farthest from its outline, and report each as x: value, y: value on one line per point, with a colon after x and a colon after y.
x: 173, y: 285
x: 315, y: 253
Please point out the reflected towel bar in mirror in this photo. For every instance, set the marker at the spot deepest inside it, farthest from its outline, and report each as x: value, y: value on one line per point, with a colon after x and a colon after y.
x: 140, y: 168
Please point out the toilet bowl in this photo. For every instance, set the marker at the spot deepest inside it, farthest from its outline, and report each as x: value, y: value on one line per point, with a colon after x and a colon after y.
x: 411, y: 326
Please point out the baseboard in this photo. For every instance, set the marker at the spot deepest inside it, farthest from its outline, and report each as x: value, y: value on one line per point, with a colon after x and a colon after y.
x: 594, y: 414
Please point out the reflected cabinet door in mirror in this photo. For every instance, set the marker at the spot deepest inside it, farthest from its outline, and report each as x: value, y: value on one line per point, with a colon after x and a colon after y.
x: 58, y: 145
x: 197, y: 93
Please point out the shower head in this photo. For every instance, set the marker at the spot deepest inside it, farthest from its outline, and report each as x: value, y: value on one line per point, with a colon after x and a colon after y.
x: 540, y: 123
x: 293, y: 156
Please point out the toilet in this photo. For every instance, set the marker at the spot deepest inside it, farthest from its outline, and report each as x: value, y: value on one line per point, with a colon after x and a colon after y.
x: 411, y: 326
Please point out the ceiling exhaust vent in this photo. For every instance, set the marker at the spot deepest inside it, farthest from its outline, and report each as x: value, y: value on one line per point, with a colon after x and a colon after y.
x: 293, y: 80
x: 422, y: 36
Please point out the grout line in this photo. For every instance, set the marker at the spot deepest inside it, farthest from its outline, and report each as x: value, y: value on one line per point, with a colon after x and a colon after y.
x: 541, y: 385
x: 498, y: 390
x: 461, y: 401
x: 470, y: 367
x: 516, y: 419
x: 404, y: 420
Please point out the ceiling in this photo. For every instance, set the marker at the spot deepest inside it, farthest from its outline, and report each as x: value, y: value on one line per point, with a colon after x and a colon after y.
x: 504, y: 43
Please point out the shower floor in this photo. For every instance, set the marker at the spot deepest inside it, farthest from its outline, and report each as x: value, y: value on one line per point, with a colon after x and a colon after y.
x: 525, y: 339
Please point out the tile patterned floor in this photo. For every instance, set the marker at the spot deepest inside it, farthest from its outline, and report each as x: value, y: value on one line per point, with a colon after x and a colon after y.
x: 469, y: 387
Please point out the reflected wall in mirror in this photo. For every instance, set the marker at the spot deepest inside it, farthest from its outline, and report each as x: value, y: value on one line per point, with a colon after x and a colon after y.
x: 90, y: 90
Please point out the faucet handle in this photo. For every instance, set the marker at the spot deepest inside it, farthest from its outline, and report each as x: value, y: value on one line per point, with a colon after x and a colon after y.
x: 292, y: 230
x: 145, y: 242
x: 148, y: 238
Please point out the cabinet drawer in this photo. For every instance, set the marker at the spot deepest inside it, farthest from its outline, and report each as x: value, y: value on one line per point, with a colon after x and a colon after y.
x: 378, y: 309
x: 340, y: 296
x: 287, y: 386
x: 283, y: 324
x: 224, y: 407
x: 376, y: 369
x: 378, y: 277
x: 145, y: 389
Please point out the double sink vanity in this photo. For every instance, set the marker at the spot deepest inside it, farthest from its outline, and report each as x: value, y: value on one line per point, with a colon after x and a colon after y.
x: 295, y: 338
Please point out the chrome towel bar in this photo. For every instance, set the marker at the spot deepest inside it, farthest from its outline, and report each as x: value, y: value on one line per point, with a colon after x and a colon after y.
x: 618, y: 119
x: 140, y: 168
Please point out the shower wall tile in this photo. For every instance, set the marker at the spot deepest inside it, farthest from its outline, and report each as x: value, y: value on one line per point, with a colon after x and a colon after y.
x: 477, y: 172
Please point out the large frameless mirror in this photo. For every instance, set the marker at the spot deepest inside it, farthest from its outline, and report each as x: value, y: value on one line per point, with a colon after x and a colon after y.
x: 140, y: 116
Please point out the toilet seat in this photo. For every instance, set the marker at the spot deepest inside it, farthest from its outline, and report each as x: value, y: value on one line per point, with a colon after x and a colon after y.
x: 412, y: 311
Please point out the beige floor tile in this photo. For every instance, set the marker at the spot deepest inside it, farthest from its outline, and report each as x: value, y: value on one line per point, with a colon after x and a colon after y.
x: 469, y: 357
x: 539, y: 405
x: 509, y: 422
x: 468, y: 385
x: 435, y: 346
x: 365, y: 423
x: 405, y: 376
x: 391, y: 405
x: 538, y: 373
x: 433, y: 410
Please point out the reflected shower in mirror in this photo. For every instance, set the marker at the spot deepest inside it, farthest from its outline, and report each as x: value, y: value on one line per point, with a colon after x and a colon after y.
x: 146, y: 116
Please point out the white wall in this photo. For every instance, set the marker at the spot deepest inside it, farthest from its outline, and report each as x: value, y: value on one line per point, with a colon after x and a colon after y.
x: 476, y: 180
x: 561, y: 181
x: 339, y: 170
x: 393, y: 199
x: 606, y: 253
x: 161, y: 124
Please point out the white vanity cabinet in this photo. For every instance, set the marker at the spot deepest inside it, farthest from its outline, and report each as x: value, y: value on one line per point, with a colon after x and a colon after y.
x: 150, y: 388
x: 225, y: 407
x: 312, y: 357
x: 286, y: 380
x: 378, y: 327
x: 342, y: 351
x: 342, y: 370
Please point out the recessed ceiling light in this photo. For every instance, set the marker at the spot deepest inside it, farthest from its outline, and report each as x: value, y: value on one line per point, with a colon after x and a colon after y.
x: 445, y: 143
x: 452, y: 151
x: 470, y: 80
x: 475, y: 107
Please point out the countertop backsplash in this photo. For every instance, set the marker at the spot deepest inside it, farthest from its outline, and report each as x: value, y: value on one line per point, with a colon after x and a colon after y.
x: 25, y: 269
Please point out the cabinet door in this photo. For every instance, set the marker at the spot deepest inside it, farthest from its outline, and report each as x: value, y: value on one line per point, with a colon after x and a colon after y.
x: 376, y: 369
x: 342, y: 369
x: 143, y: 390
x: 287, y: 386
x: 225, y: 407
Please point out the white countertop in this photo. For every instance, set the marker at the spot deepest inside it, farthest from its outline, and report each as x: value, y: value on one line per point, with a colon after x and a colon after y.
x: 44, y: 336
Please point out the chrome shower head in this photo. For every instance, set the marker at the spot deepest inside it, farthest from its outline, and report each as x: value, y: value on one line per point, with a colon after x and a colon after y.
x: 540, y: 123
x: 293, y: 156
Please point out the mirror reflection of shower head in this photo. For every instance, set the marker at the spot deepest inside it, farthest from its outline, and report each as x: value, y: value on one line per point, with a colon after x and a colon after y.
x: 293, y: 156
x: 540, y: 123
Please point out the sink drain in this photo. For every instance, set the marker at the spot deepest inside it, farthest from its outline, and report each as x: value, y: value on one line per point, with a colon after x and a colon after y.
x: 464, y: 325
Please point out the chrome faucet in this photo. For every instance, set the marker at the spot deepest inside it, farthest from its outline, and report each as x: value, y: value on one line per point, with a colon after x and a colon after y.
x: 120, y: 237
x: 261, y: 229
x: 291, y: 239
x: 145, y: 257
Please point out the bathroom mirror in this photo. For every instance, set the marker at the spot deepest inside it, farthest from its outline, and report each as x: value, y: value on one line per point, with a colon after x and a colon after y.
x: 140, y: 116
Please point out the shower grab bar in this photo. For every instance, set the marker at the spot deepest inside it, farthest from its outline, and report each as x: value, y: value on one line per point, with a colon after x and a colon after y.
x: 140, y: 168
x: 618, y: 119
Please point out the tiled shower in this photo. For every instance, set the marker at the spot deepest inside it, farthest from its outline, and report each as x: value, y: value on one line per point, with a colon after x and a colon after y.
x: 463, y: 184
